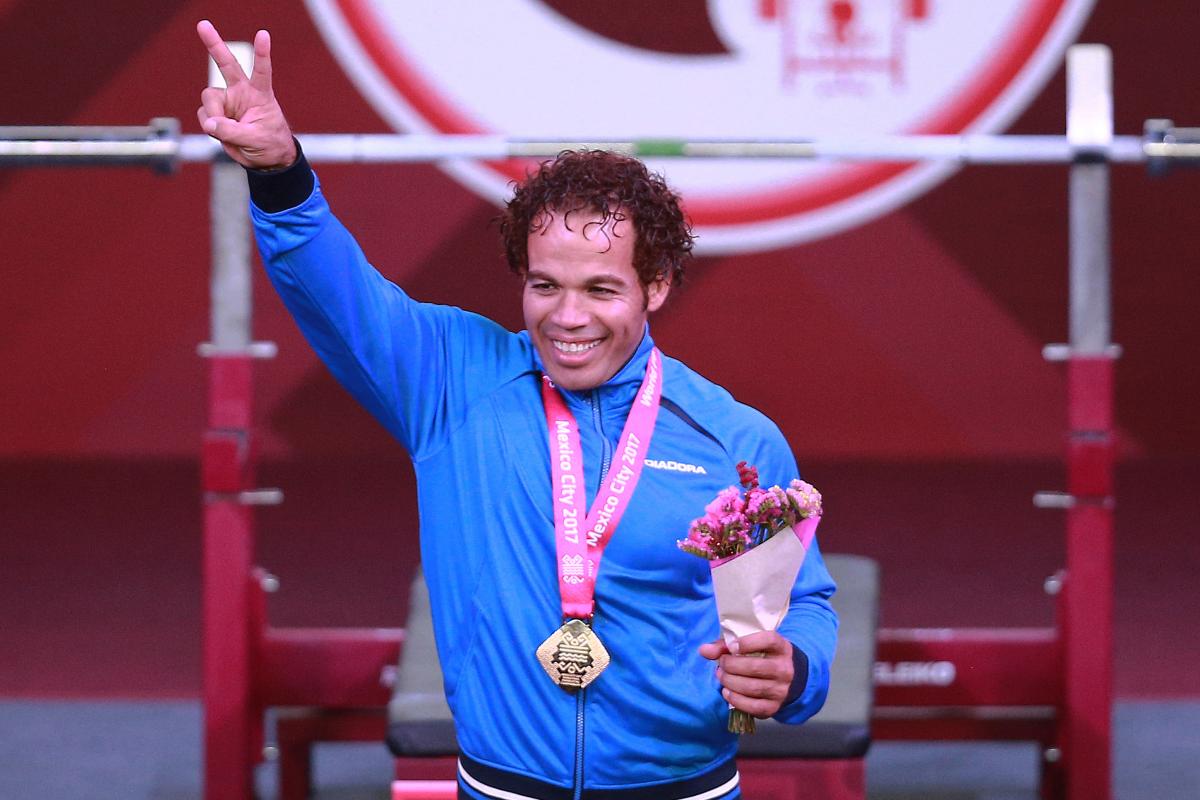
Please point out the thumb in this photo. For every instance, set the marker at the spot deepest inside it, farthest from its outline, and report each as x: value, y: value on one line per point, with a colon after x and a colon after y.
x: 238, y: 135
x: 224, y: 129
x: 714, y: 650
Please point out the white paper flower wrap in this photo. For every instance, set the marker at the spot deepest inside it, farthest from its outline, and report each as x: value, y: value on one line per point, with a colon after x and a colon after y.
x: 754, y: 588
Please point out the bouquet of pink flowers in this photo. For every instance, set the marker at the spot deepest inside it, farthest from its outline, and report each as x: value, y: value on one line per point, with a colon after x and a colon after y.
x: 755, y: 540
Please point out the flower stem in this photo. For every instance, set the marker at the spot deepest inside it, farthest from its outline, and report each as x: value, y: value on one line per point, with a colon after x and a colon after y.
x: 740, y: 721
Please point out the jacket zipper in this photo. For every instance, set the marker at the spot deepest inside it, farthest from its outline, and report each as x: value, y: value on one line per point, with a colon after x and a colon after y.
x: 605, y: 463
x: 579, y: 744
x: 606, y: 447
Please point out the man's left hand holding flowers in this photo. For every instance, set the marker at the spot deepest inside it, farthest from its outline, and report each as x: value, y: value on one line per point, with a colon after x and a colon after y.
x: 756, y: 673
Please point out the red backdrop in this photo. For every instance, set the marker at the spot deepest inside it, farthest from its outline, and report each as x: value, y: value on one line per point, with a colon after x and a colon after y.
x: 924, y: 327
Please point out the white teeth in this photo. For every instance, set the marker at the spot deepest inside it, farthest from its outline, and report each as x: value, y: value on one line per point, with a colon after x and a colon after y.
x: 575, y: 347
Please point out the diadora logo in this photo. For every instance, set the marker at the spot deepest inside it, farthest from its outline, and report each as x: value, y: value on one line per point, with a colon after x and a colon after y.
x: 675, y: 466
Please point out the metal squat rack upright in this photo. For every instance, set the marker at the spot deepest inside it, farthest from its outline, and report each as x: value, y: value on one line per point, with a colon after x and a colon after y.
x: 1050, y: 685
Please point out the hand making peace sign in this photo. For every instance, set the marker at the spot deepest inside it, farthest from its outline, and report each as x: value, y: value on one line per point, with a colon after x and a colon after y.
x: 245, y: 117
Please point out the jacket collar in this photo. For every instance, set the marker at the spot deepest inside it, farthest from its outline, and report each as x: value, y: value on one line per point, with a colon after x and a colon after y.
x: 616, y: 394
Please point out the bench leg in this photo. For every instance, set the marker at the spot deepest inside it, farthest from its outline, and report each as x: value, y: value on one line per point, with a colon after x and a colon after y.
x: 295, y: 769
x: 297, y: 729
x: 1053, y: 782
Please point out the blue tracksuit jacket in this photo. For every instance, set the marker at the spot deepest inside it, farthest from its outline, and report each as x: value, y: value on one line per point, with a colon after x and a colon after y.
x: 463, y: 397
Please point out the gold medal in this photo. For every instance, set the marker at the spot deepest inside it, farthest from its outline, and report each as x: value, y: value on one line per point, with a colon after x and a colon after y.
x: 573, y: 656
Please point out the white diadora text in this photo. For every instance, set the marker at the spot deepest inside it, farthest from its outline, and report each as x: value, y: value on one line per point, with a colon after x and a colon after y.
x: 675, y: 466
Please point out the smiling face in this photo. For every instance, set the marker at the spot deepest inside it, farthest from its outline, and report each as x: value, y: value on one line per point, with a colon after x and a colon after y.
x: 584, y: 306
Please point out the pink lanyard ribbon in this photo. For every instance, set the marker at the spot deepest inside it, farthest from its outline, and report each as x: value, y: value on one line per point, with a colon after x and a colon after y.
x: 581, y: 543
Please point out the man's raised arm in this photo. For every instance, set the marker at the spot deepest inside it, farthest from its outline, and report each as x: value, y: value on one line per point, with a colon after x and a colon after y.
x: 415, y: 366
x: 245, y: 117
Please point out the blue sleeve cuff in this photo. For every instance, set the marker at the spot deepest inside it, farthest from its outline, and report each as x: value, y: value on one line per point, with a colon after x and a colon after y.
x: 799, y: 675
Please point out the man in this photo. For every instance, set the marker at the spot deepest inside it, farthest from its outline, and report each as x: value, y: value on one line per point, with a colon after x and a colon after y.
x: 567, y: 676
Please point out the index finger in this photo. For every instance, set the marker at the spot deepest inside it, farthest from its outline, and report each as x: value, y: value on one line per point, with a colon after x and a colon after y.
x: 768, y: 642
x: 231, y: 70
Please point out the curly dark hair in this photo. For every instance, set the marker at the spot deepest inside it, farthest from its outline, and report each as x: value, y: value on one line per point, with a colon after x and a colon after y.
x: 613, y: 186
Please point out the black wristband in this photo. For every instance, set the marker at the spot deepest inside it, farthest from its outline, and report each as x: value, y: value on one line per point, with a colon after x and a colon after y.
x: 799, y: 674
x: 278, y: 190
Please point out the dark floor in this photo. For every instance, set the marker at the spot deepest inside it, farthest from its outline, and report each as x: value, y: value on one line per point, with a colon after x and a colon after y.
x: 150, y: 750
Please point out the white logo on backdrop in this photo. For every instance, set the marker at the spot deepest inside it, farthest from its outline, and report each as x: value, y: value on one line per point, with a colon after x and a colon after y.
x: 915, y: 673
x: 791, y: 69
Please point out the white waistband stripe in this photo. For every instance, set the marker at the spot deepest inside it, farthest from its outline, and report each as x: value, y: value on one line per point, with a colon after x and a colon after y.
x: 727, y: 786
x: 501, y: 794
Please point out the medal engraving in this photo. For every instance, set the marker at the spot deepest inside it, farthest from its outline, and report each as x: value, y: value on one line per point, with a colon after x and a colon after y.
x: 573, y: 656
